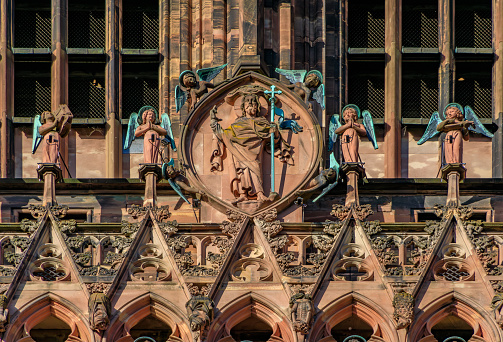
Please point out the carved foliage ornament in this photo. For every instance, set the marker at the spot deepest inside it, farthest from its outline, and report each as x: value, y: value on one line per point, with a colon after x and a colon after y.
x: 403, y: 303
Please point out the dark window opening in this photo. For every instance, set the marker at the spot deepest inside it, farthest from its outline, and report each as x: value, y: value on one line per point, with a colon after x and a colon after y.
x: 51, y: 329
x: 351, y: 273
x: 452, y: 326
x: 86, y: 24
x: 140, y: 87
x: 32, y: 24
x: 419, y: 89
x: 366, y: 24
x: 423, y: 217
x: 473, y: 24
x: 32, y: 84
x: 140, y: 24
x: 366, y: 86
x: 151, y: 327
x: 352, y: 326
x: 473, y: 86
x: 86, y: 86
x: 252, y: 329
x: 420, y: 24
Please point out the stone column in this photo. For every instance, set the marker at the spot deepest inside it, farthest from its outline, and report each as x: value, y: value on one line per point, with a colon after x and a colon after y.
x: 50, y: 174
x: 498, y: 87
x: 150, y: 174
x: 353, y: 171
x: 453, y: 174
x: 6, y: 86
x: 392, y: 86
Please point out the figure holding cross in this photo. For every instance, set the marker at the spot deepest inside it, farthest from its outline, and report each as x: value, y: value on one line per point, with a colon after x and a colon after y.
x: 245, y: 139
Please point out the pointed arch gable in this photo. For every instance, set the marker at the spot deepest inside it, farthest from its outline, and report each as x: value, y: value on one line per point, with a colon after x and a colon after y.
x: 40, y: 308
x: 245, y: 306
x: 353, y: 304
x: 127, y: 316
x: 462, y: 306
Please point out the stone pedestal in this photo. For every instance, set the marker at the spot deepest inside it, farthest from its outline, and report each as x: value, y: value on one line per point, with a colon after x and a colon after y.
x: 49, y: 173
x: 353, y: 171
x: 150, y: 174
x: 453, y: 174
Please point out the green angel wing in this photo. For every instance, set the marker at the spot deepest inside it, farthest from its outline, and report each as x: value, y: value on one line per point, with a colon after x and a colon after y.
x: 319, y: 96
x: 293, y: 76
x: 369, y: 128
x: 131, y: 128
x: 37, y: 137
x: 166, y: 124
x: 478, y: 126
x: 431, y: 129
x: 332, y: 136
x: 207, y: 74
x: 180, y: 98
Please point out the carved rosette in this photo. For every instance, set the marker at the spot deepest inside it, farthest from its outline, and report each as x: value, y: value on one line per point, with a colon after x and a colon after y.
x: 403, y: 304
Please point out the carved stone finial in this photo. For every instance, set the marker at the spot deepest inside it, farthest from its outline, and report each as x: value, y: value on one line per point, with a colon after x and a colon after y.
x: 302, y: 311
x: 200, y: 313
x: 403, y: 303
x: 100, y: 309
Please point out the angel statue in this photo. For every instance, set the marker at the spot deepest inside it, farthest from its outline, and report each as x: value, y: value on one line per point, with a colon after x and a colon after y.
x: 305, y: 84
x: 190, y: 90
x: 456, y: 125
x: 350, y: 132
x: 51, y: 127
x: 148, y: 124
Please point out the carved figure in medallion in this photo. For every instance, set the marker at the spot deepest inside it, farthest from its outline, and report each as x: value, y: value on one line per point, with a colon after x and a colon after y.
x: 245, y: 141
x: 306, y: 84
x: 190, y: 89
x: 99, y: 311
x: 200, y: 312
x: 351, y: 131
x: 456, y: 123
x: 151, y: 126
x: 302, y: 311
x: 51, y: 127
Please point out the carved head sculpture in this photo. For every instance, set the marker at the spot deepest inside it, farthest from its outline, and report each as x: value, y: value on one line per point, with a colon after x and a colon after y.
x: 200, y: 312
x: 313, y: 79
x: 250, y: 106
x: 99, y: 311
x: 4, y: 313
x: 148, y: 113
x: 453, y: 112
x: 47, y: 116
x: 188, y: 79
x: 350, y: 114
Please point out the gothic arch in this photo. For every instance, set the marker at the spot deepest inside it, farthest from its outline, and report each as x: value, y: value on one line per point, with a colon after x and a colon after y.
x: 482, y: 322
x: 347, y: 306
x: 244, y: 307
x: 127, y: 316
x: 42, y: 307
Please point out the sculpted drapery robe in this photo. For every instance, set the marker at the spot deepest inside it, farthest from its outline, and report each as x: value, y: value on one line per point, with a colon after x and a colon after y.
x: 245, y: 140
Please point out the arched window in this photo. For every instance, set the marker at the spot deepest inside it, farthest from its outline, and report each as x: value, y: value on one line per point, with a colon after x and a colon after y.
x: 252, y: 329
x: 452, y: 326
x: 51, y: 329
x: 151, y: 327
x: 352, y: 326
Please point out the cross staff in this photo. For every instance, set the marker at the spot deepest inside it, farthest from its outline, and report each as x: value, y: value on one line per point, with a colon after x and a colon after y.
x: 273, y: 101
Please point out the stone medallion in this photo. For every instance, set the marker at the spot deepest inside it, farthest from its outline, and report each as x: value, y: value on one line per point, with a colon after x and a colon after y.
x: 226, y: 145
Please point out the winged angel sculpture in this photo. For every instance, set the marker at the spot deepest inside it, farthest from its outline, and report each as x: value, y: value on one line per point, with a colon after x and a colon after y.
x: 190, y: 89
x: 306, y: 84
x: 457, y: 123
x: 350, y: 132
x: 151, y: 126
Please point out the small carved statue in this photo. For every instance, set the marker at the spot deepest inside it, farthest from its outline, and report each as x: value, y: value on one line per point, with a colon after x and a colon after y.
x: 51, y: 127
x: 148, y: 124
x: 456, y: 125
x: 245, y: 140
x: 496, y: 305
x: 302, y: 311
x: 306, y: 84
x: 351, y: 131
x: 177, y: 180
x: 190, y: 89
x: 200, y: 312
x: 4, y: 313
x: 403, y: 303
x: 100, y: 309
